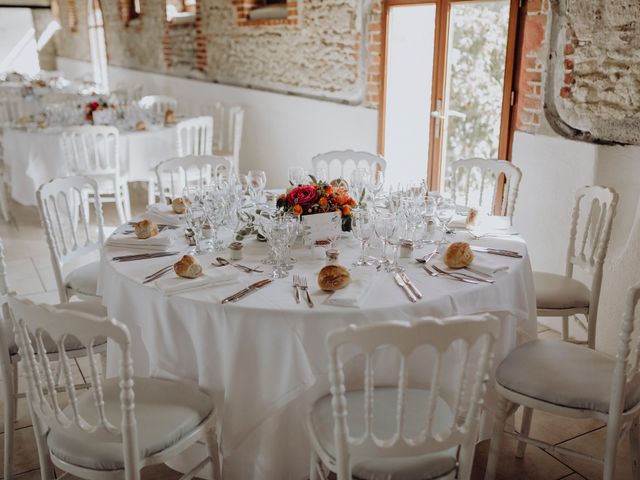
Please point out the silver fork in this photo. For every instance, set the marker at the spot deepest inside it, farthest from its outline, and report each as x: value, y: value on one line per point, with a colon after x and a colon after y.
x: 449, y: 276
x: 305, y: 289
x: 462, y: 274
x: 296, y: 286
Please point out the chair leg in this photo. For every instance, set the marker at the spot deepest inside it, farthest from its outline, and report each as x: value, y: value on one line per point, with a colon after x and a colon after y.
x: 14, y: 381
x: 119, y: 205
x: 4, y: 200
x: 591, y: 330
x: 634, y: 444
x: 214, y: 452
x: 10, y: 414
x: 611, y: 450
x: 496, y: 439
x: 127, y: 200
x: 525, y: 427
x: 565, y: 329
x: 46, y: 467
x: 314, y: 474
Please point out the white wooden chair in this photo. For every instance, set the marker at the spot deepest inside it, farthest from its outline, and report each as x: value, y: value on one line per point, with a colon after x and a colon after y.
x: 477, y: 183
x: 102, y: 433
x: 229, y: 124
x: 158, y: 104
x: 194, y: 137
x: 9, y: 359
x: 340, y: 163
x: 175, y: 174
x: 404, y: 431
x: 65, y: 213
x: 569, y: 380
x: 94, y: 151
x: 563, y: 295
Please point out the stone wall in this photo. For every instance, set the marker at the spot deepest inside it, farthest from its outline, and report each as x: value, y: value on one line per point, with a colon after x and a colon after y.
x: 319, y: 50
x: 581, y: 66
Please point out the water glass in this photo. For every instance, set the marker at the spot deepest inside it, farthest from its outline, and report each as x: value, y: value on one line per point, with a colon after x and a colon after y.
x: 256, y: 180
x: 362, y: 228
x: 445, y: 213
x: 297, y: 176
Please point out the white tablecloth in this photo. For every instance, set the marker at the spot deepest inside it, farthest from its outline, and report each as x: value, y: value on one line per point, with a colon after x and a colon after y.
x: 35, y: 157
x: 264, y: 357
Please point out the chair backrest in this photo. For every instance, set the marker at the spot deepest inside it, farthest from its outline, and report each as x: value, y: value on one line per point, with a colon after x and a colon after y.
x: 175, y: 174
x: 195, y: 136
x: 591, y: 222
x: 159, y: 103
x: 477, y: 183
x: 233, y: 132
x: 340, y: 163
x: 34, y: 325
x: 65, y: 211
x: 91, y: 150
x: 471, y: 337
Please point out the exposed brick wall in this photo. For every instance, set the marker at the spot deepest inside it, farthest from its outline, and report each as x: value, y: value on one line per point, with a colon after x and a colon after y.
x: 374, y: 52
x: 529, y: 104
x: 73, y: 43
x: 244, y: 7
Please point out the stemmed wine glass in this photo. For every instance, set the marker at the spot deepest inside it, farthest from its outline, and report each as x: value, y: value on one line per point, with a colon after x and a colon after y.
x: 256, y: 180
x: 359, y: 181
x: 322, y: 173
x: 386, y: 225
x: 376, y: 183
x: 296, y: 175
x: 428, y: 212
x: 362, y: 227
x: 445, y: 213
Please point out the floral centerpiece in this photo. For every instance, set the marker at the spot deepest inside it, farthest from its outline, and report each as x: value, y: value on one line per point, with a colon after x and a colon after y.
x: 95, y: 106
x: 318, y: 197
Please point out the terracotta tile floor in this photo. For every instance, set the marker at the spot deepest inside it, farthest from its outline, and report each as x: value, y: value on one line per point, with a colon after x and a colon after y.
x: 30, y: 274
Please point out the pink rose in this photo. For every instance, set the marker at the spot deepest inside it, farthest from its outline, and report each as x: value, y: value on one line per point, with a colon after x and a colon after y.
x: 304, y: 195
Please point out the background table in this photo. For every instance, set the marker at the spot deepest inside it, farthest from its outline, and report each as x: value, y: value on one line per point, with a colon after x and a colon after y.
x: 264, y: 358
x: 34, y: 157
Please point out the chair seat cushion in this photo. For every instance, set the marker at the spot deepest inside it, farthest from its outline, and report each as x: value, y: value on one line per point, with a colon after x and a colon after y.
x: 421, y: 467
x: 71, y: 343
x: 563, y: 374
x: 84, y: 279
x: 557, y: 292
x: 166, y: 412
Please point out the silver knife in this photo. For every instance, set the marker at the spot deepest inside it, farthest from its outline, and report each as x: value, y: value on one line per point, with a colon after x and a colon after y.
x: 410, y: 284
x: 246, y: 291
x: 404, y: 287
x: 496, y: 251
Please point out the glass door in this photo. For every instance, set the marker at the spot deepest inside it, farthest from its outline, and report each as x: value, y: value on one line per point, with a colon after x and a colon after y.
x: 447, y: 85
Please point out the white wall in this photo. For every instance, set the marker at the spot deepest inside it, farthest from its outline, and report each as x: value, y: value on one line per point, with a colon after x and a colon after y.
x: 18, y: 50
x: 553, y: 168
x: 279, y: 130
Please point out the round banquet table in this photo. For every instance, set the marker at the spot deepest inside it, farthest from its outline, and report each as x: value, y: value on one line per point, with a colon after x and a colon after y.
x: 34, y: 157
x: 263, y: 358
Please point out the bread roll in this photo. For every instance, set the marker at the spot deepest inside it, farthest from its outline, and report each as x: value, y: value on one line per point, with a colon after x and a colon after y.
x: 169, y: 117
x: 179, y: 205
x: 146, y: 229
x: 458, y: 255
x: 140, y: 125
x: 333, y: 277
x: 188, y: 267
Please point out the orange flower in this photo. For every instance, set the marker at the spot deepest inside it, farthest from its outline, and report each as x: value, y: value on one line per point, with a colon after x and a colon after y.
x: 297, y: 209
x: 323, y: 201
x: 328, y: 189
x: 346, y: 210
x: 352, y: 202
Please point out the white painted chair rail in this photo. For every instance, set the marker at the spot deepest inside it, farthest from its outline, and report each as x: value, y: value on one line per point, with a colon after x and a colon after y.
x: 474, y: 331
x: 591, y: 224
x: 49, y: 417
x: 622, y: 416
x: 489, y: 171
x: 340, y: 163
x: 64, y: 210
x: 174, y: 174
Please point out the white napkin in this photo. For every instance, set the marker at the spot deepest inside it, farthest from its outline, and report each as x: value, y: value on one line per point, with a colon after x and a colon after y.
x: 354, y: 294
x: 162, y: 213
x: 213, y: 277
x: 486, y: 265
x: 161, y: 242
x: 458, y: 221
